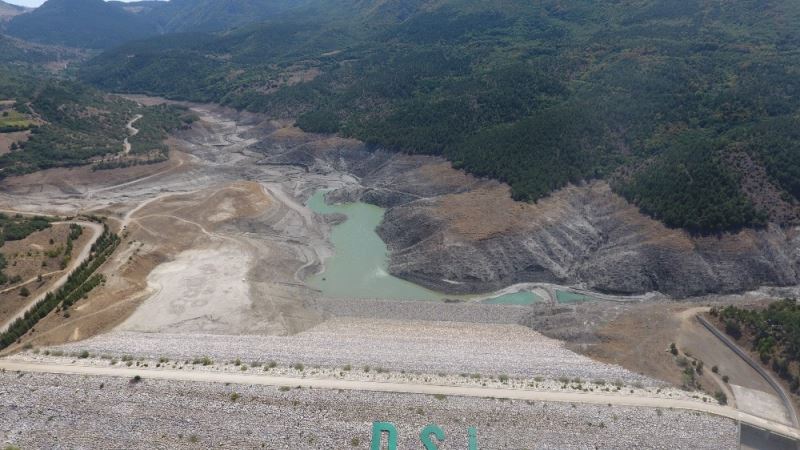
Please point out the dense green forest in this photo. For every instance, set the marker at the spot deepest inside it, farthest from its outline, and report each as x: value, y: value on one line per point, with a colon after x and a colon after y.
x: 100, y: 24
x: 153, y: 128
x: 80, y: 23
x: 773, y: 332
x: 76, y: 123
x: 651, y: 95
x: 18, y: 227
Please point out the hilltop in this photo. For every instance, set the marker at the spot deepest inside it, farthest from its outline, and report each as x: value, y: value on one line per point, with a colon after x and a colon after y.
x: 80, y: 23
x: 7, y: 10
x: 685, y: 110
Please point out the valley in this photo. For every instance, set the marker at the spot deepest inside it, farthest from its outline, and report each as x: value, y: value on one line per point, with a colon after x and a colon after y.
x: 228, y: 245
x: 461, y: 224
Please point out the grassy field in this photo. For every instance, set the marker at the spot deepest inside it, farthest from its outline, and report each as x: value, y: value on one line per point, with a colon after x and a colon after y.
x: 11, y: 121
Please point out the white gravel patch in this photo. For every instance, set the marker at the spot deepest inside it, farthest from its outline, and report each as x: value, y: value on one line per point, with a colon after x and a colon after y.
x: 415, y: 346
x: 72, y: 412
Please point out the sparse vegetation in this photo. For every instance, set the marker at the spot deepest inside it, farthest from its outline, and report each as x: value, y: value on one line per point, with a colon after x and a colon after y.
x: 204, y: 360
x: 81, y: 281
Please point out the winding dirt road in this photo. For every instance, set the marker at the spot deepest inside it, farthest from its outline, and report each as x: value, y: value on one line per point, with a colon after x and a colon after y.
x: 126, y: 145
x: 406, y: 388
x: 97, y: 230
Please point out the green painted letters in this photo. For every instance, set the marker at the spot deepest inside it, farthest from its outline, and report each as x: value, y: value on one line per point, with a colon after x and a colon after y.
x: 427, y: 432
x: 377, y: 434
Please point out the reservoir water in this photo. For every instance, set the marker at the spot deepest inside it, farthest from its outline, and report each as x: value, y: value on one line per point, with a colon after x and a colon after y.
x: 358, y: 268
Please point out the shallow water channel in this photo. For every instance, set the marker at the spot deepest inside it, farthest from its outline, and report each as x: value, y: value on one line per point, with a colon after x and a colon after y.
x: 358, y: 268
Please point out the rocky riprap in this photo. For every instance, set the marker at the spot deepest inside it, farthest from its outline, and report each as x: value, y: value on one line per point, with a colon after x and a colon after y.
x: 393, y: 345
x: 62, y: 411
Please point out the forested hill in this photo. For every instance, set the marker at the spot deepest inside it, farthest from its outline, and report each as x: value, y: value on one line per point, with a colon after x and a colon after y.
x: 7, y: 10
x: 80, y: 23
x: 21, y: 53
x: 688, y: 108
x: 54, y: 122
x: 100, y: 24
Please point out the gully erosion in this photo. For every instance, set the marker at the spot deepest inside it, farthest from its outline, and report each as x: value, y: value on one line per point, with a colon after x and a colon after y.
x: 298, y: 216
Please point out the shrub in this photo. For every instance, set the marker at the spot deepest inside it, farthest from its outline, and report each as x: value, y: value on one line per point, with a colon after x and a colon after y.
x: 24, y: 292
x: 715, y: 369
x: 299, y: 367
x: 235, y: 396
x: 725, y: 378
x: 722, y: 399
x: 503, y: 378
x: 673, y: 349
x: 205, y: 360
x: 733, y: 329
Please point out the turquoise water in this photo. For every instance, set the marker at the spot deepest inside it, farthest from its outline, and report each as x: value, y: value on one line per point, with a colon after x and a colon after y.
x: 517, y: 298
x: 571, y: 297
x: 358, y: 267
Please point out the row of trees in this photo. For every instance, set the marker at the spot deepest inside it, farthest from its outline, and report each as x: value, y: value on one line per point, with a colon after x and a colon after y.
x: 80, y: 282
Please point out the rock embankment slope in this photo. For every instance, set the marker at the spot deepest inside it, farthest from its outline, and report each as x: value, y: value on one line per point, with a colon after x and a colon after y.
x: 392, y: 345
x: 39, y: 409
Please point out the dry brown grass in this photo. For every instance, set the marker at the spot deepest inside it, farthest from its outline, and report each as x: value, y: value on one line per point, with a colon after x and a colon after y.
x: 28, y: 258
x: 156, y: 234
x: 6, y: 139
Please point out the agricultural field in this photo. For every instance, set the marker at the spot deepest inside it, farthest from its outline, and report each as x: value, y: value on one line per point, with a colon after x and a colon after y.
x: 12, y: 121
